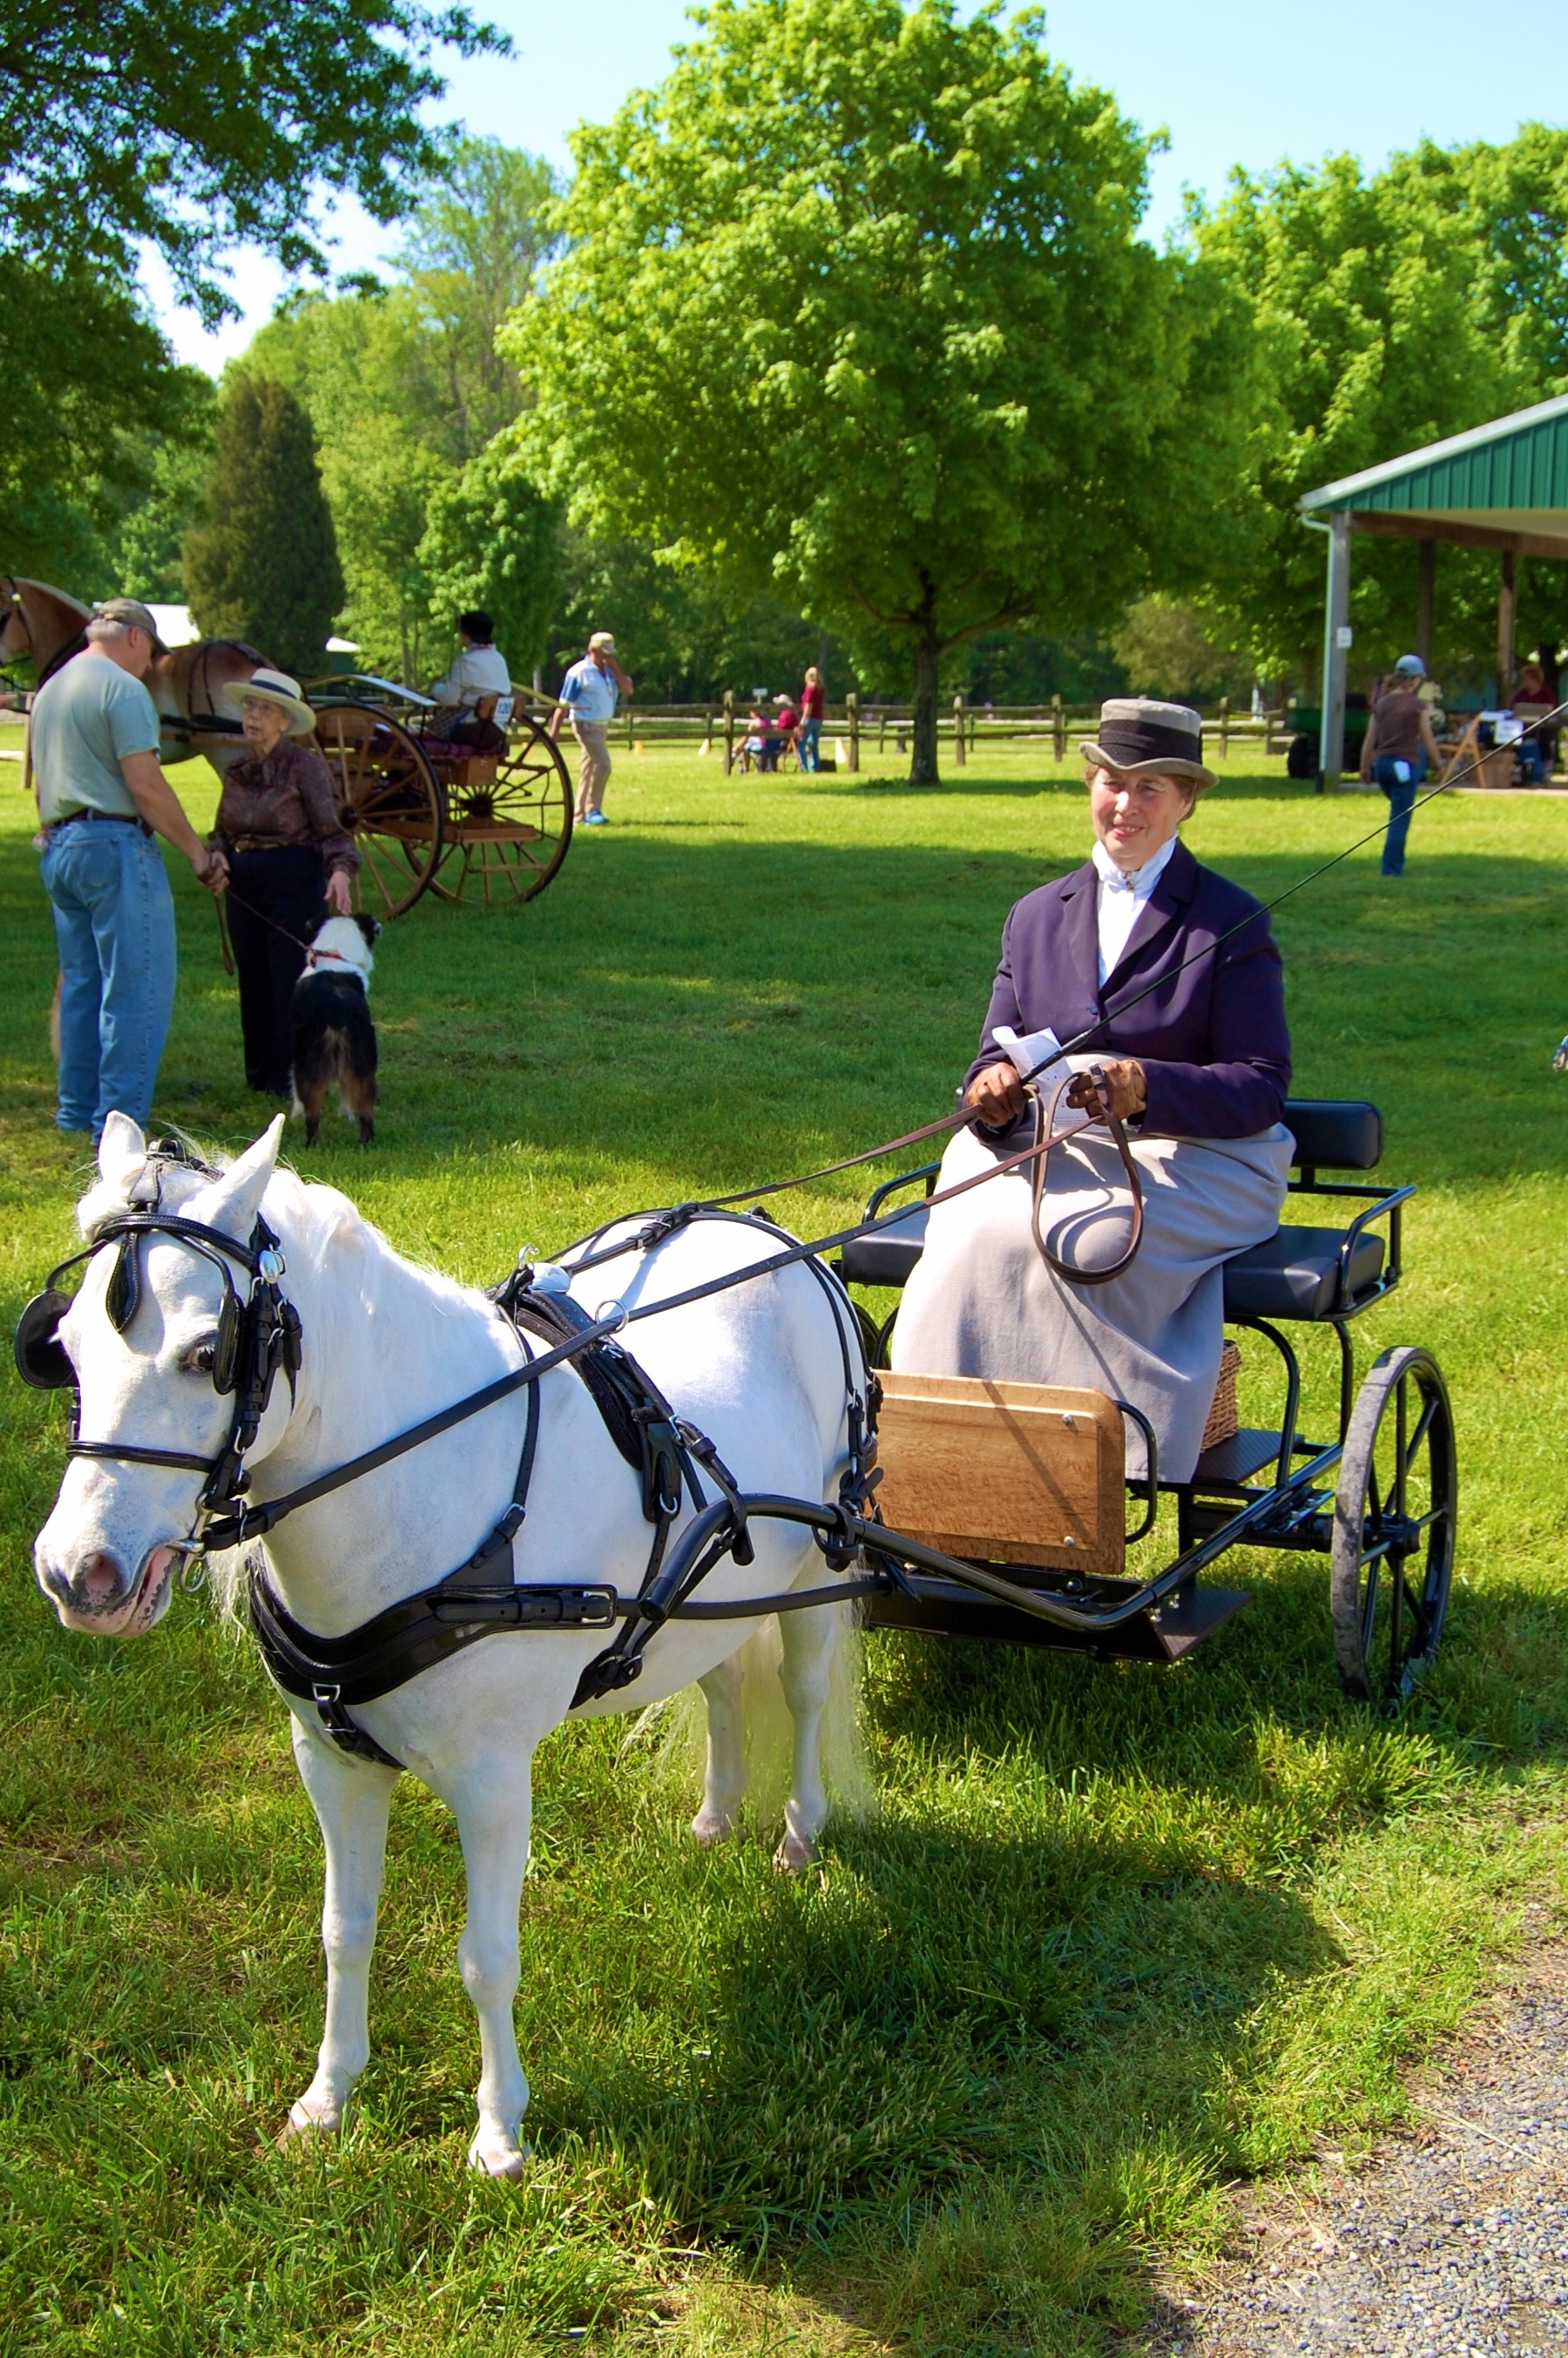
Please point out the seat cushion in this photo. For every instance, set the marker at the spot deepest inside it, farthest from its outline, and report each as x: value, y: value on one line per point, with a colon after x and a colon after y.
x: 1296, y: 1273
x: 887, y: 1259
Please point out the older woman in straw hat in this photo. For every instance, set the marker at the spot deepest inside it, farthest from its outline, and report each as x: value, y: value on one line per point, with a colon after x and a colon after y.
x: 290, y: 861
x: 1197, y: 1070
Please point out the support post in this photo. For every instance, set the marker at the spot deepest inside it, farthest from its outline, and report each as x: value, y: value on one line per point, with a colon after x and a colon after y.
x: 1224, y: 725
x: 729, y: 730
x: 1426, y: 601
x: 1058, y: 730
x: 852, y: 713
x: 1506, y: 600
x: 1335, y: 649
x: 960, y: 751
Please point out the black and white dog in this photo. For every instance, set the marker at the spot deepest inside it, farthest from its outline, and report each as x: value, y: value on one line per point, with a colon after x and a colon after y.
x: 334, y: 1039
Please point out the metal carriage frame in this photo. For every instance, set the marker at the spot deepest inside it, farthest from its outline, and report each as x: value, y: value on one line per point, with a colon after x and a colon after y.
x: 1379, y: 1499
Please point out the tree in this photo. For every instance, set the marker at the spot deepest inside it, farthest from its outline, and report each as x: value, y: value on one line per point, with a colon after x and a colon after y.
x: 404, y: 388
x: 262, y: 565
x: 474, y: 248
x: 1397, y: 308
x: 853, y: 309
x: 1165, y: 649
x: 197, y: 128
x: 491, y: 541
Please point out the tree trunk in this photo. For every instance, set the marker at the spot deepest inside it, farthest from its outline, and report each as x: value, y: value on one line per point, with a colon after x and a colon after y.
x: 922, y: 770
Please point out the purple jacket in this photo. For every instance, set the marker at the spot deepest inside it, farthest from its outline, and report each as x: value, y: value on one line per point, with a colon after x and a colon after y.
x: 1212, y: 1040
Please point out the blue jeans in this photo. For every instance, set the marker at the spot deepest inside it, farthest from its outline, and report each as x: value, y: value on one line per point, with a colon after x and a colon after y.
x: 810, y: 743
x: 1400, y: 798
x: 114, y: 922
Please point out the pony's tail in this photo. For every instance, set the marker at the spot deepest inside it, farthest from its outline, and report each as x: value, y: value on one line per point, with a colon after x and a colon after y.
x: 678, y: 1727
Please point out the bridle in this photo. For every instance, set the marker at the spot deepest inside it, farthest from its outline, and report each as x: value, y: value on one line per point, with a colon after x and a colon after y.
x: 257, y: 1337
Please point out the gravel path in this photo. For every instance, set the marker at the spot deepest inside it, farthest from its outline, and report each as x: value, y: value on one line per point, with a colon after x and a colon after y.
x: 1449, y: 2242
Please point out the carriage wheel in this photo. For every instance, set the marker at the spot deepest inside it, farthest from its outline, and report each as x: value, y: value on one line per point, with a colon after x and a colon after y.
x: 388, y: 801
x: 514, y: 830
x: 1394, y: 1516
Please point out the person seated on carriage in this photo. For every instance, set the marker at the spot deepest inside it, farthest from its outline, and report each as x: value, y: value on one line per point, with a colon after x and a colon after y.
x: 1197, y: 1070
x: 479, y: 672
x: 289, y: 862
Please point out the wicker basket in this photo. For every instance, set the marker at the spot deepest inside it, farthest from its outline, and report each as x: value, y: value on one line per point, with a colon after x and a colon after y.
x: 1224, y: 1416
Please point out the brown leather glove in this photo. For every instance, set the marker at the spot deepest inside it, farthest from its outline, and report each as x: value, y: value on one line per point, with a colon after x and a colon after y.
x: 1125, y: 1094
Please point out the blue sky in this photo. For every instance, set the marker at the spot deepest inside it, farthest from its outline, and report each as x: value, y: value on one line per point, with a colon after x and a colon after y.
x: 1233, y: 82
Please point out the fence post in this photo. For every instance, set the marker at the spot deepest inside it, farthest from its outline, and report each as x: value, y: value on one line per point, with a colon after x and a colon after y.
x: 729, y: 730
x: 628, y: 724
x: 852, y: 708
x: 1058, y: 730
x: 881, y: 727
x: 960, y: 751
x: 1224, y: 725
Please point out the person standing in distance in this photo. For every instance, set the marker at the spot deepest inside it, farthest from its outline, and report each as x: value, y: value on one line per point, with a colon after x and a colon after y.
x: 1396, y: 750
x: 813, y: 705
x: 589, y: 692
x: 103, y: 800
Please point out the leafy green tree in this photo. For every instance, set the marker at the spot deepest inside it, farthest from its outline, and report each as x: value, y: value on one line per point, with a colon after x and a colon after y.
x: 474, y: 248
x: 197, y: 128
x: 404, y: 388
x: 853, y: 309
x: 262, y: 564
x: 1165, y: 649
x: 1397, y: 308
x: 491, y: 541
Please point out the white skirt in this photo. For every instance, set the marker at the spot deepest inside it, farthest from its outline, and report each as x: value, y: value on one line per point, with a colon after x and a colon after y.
x: 982, y: 1301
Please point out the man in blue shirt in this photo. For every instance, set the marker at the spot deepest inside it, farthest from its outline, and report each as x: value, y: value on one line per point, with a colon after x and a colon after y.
x: 103, y: 797
x: 590, y: 692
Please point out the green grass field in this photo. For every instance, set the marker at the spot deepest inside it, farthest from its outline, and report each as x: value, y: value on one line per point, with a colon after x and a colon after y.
x: 1116, y: 1939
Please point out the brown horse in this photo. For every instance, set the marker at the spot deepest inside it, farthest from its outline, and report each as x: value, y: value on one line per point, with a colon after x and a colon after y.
x: 185, y: 684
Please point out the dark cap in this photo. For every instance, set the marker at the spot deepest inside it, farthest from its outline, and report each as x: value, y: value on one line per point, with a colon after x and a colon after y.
x: 133, y: 613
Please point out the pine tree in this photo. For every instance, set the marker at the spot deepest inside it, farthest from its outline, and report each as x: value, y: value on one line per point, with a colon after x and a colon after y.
x: 262, y: 564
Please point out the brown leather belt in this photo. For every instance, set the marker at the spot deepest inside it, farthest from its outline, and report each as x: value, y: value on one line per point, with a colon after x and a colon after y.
x: 268, y: 843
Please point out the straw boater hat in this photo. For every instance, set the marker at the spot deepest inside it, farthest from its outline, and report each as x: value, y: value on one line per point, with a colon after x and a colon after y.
x: 271, y: 688
x: 1140, y: 737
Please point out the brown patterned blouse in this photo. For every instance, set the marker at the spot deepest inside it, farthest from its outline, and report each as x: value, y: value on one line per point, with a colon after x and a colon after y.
x: 286, y: 798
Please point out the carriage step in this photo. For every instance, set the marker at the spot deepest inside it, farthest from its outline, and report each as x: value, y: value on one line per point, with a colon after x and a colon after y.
x: 1236, y: 1459
x: 943, y: 1610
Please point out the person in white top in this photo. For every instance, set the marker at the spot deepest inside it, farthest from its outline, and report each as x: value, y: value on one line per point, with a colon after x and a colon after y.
x: 479, y: 672
x: 589, y: 692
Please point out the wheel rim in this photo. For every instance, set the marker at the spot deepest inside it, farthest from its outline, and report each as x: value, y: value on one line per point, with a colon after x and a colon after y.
x: 388, y: 801
x: 516, y: 829
x: 1394, y: 1527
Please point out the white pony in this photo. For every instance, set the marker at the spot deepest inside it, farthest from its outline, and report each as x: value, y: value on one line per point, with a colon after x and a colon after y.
x: 758, y: 1368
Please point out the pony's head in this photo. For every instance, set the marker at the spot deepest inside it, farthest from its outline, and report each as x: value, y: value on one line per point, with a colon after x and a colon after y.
x: 145, y: 1335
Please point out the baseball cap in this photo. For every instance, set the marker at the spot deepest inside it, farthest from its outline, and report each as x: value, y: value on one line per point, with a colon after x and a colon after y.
x: 601, y: 643
x: 1410, y: 667
x: 131, y: 611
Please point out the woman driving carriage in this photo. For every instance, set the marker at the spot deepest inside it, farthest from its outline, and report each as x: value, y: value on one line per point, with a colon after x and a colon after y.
x: 1198, y: 1069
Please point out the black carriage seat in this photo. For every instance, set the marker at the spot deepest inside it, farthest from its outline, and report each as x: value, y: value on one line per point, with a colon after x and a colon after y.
x: 1298, y: 1273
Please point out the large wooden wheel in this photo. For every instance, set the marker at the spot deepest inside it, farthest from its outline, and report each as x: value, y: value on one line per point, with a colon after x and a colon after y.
x: 508, y: 818
x: 388, y: 800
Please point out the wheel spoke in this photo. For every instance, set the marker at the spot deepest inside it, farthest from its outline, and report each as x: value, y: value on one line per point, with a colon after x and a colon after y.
x: 1423, y: 1427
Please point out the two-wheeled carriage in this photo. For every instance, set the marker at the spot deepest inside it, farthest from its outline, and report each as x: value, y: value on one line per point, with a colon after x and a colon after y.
x: 1026, y: 1481
x: 431, y: 815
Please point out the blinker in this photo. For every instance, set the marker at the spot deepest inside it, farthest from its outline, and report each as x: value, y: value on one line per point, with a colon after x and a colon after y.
x: 42, y: 1358
x: 124, y: 1290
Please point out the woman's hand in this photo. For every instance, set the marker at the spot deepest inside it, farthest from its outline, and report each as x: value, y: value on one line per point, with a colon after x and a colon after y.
x: 1125, y: 1093
x: 339, y: 894
x: 210, y: 867
x: 996, y: 1094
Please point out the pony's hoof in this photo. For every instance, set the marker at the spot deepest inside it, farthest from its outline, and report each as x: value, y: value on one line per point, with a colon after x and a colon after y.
x: 795, y: 1852
x: 308, y: 2120
x: 712, y: 1826
x: 497, y: 2156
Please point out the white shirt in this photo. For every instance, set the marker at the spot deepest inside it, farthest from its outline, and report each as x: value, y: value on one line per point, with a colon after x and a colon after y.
x: 478, y: 671
x: 590, y: 693
x: 1122, y: 893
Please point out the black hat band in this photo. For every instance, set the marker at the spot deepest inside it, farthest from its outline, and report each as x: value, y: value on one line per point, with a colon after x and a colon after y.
x: 1126, y: 744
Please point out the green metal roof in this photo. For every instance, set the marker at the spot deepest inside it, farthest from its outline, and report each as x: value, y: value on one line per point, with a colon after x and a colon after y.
x: 1502, y: 485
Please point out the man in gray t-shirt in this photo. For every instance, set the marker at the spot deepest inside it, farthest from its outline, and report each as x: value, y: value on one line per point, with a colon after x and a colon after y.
x: 102, y: 798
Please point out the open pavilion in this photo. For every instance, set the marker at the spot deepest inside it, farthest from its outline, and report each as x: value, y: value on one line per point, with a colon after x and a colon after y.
x: 1502, y: 486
